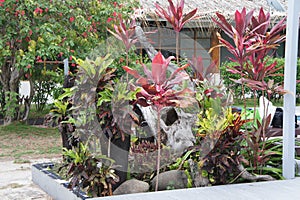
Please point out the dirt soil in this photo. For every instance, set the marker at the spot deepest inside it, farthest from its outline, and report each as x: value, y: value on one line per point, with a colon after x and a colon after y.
x: 20, y: 147
x: 22, y: 143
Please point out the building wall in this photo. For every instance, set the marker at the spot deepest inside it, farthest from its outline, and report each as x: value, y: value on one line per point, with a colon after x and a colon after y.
x: 192, y: 43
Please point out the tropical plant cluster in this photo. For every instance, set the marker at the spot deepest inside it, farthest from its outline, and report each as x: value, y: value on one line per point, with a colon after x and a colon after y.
x: 103, y: 111
x: 237, y: 92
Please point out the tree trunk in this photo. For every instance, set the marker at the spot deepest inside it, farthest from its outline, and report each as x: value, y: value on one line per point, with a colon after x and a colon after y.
x: 10, y: 79
x: 7, y: 116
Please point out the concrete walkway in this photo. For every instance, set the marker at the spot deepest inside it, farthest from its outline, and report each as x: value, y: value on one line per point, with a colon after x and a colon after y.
x: 16, y: 184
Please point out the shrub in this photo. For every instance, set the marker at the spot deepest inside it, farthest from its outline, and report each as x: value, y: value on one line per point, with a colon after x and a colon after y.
x: 237, y: 92
x: 89, y: 172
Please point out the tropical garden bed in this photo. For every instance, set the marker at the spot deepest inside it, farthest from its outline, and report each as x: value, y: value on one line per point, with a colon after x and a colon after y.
x: 57, y: 188
x: 171, y: 128
x: 135, y: 123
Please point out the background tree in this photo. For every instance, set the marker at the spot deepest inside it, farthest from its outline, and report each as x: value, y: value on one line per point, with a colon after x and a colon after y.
x: 48, y: 30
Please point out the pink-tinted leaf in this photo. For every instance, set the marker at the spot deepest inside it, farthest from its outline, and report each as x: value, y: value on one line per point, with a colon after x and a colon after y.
x: 147, y: 72
x: 172, y: 8
x: 233, y: 71
x: 159, y: 68
x: 174, y: 14
x: 142, y: 81
x: 198, y: 68
x: 134, y: 73
x: 240, y: 21
x: 224, y: 25
x: 114, y: 34
x: 181, y: 4
x: 278, y: 27
x: 261, y: 22
x: 179, y: 13
x: 177, y: 80
x: 177, y: 71
x: 189, y: 16
x: 144, y: 93
x: 228, y: 45
x: 261, y: 28
x: 248, y: 17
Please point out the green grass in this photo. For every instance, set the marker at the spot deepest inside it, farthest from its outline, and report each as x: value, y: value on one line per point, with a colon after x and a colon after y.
x: 22, y: 142
x: 38, y: 114
x: 25, y: 130
x: 251, y: 103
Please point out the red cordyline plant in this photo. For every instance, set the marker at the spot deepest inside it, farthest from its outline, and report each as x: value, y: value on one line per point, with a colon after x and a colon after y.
x: 125, y: 32
x: 156, y: 89
x: 200, y: 72
x: 239, y: 35
x: 174, y: 15
x: 253, y: 41
x: 202, y: 78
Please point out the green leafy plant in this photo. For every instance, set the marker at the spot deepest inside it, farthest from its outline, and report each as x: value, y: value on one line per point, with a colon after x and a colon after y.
x: 62, y: 114
x: 11, y: 104
x: 91, y: 173
x: 183, y: 163
x: 46, y: 83
x: 224, y: 138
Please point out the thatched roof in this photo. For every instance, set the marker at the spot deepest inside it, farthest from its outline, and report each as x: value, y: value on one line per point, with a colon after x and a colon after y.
x: 208, y: 8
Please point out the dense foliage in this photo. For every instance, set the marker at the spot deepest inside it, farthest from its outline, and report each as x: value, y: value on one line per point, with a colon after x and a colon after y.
x: 49, y: 30
x: 237, y: 91
x: 107, y: 109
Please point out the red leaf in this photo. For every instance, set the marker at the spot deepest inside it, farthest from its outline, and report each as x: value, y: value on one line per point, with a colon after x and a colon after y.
x: 189, y: 16
x: 240, y: 21
x: 224, y: 25
x: 134, y: 73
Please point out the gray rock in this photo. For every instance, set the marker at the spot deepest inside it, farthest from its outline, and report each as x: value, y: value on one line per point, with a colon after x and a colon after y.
x: 132, y: 186
x: 174, y: 179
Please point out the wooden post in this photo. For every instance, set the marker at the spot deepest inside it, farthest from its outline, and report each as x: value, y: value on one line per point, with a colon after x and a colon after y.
x: 215, y: 54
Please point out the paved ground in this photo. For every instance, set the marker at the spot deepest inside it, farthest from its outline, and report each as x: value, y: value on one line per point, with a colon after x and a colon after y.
x: 16, y: 184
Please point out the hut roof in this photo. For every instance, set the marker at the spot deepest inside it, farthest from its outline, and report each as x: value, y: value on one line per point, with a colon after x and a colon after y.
x: 208, y: 8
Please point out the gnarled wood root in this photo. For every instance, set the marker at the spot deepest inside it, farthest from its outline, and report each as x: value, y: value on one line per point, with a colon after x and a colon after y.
x: 248, y: 176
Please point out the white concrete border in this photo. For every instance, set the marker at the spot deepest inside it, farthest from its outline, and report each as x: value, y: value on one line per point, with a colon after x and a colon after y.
x: 271, y: 190
x: 53, y: 187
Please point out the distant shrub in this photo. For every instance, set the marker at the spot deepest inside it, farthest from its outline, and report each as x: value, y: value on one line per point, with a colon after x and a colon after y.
x: 237, y: 89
